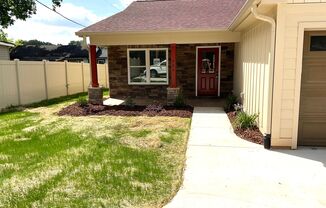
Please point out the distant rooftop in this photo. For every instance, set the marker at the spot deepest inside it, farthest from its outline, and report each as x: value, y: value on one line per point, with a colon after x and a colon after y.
x: 2, y: 43
x: 170, y: 15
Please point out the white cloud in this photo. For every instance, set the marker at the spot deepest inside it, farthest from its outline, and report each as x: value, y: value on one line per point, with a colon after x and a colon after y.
x: 49, y: 26
x: 126, y: 3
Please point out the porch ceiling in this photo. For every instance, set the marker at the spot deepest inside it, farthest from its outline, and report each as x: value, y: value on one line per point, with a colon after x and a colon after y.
x: 188, y: 37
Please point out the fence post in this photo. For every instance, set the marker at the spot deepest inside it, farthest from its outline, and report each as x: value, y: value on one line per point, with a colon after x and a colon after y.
x: 45, y: 80
x: 106, y: 75
x: 66, y: 71
x: 17, y: 80
x: 82, y: 68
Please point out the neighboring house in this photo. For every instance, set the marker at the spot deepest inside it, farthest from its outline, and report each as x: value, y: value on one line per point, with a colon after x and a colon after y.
x: 270, y: 53
x: 103, y: 57
x: 5, y: 50
x: 71, y: 53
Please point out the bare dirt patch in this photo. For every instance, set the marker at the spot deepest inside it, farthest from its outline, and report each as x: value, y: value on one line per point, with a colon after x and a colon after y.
x: 121, y: 110
x: 253, y: 134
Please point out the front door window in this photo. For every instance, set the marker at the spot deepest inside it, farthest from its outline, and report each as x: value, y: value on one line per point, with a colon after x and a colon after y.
x: 208, y: 62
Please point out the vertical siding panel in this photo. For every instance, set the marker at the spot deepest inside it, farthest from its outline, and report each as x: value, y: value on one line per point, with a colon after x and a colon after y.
x: 254, y: 64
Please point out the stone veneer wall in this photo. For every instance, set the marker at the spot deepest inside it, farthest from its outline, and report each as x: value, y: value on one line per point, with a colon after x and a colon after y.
x: 186, y: 71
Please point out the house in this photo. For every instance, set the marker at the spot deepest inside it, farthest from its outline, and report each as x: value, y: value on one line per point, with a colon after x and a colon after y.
x: 71, y: 53
x: 103, y: 57
x: 270, y: 53
x: 5, y: 50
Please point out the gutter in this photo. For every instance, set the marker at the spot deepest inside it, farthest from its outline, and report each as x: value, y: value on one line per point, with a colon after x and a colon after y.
x: 272, y: 22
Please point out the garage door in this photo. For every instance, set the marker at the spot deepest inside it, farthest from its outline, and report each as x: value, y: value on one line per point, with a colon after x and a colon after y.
x: 312, y: 120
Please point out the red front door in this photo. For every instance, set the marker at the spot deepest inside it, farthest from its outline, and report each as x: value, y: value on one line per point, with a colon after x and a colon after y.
x: 208, y: 70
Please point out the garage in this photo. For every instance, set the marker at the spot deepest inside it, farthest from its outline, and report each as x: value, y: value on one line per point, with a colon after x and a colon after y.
x: 312, y: 116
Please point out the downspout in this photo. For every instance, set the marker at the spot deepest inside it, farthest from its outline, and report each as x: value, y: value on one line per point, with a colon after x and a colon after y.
x: 272, y: 22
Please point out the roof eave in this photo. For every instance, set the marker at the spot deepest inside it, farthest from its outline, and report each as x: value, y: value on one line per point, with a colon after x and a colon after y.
x: 242, y: 14
x: 88, y: 33
x: 7, y: 44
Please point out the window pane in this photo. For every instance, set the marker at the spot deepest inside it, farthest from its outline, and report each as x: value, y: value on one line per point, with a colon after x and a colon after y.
x: 137, y: 58
x: 137, y: 74
x: 158, y: 66
x: 208, y: 62
x: 318, y: 43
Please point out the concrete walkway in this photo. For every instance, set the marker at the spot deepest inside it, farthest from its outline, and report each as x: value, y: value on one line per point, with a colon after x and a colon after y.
x: 223, y: 170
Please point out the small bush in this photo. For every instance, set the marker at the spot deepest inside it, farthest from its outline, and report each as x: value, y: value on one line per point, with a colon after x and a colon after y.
x: 82, y: 102
x: 230, y: 101
x: 130, y: 102
x: 180, y: 101
x: 245, y: 121
x: 238, y: 107
x: 154, y: 108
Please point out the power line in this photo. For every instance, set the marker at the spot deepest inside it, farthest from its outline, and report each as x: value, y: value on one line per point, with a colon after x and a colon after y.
x: 60, y: 14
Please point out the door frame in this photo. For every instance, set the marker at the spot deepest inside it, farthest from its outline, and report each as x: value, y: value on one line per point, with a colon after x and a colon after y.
x: 302, y: 27
x: 219, y: 68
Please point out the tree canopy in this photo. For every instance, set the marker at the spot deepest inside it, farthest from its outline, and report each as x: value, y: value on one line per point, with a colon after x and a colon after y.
x: 10, y: 10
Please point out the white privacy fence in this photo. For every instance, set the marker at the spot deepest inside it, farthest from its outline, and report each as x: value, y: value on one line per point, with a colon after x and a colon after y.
x: 26, y: 82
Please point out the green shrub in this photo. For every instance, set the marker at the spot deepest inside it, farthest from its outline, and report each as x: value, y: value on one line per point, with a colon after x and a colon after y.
x: 245, y: 121
x: 129, y: 102
x: 82, y: 102
x: 180, y: 100
x: 230, y: 101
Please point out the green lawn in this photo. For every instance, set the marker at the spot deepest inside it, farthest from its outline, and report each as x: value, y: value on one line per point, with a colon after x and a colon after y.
x: 103, y: 161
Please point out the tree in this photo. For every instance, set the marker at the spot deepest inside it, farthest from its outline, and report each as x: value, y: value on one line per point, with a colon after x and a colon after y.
x: 36, y: 42
x: 10, y: 10
x: 75, y: 42
x: 4, y: 37
x: 20, y: 42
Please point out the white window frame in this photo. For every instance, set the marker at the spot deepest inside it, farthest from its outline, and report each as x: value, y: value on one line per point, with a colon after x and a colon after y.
x: 148, y: 65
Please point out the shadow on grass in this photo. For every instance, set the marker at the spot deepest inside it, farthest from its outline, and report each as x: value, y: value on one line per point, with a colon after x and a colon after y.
x: 49, y: 102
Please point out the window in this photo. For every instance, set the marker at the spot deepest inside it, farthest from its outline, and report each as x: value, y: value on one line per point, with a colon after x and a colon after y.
x: 318, y: 43
x: 148, y: 66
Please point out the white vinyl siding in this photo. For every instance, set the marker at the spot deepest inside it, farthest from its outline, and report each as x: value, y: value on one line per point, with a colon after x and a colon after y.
x: 251, y: 75
x: 4, y: 53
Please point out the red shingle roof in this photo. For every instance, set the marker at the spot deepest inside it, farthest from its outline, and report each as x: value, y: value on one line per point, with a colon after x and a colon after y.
x: 167, y: 15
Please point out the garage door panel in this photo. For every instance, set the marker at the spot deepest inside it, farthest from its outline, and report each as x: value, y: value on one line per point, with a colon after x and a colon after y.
x: 313, y: 132
x: 312, y: 117
x: 315, y: 74
x: 309, y: 92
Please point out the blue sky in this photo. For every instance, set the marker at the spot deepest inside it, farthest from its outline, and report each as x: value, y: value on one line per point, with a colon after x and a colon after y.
x: 48, y: 26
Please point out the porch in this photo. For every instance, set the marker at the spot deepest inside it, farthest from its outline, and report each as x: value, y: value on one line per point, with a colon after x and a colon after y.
x: 149, y: 73
x: 196, y: 102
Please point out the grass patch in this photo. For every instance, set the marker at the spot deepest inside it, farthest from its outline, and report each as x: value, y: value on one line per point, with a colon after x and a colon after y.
x: 102, y: 161
x: 51, y: 102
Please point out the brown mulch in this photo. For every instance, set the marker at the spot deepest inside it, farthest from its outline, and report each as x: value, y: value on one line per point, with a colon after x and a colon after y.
x: 252, y: 135
x: 122, y: 110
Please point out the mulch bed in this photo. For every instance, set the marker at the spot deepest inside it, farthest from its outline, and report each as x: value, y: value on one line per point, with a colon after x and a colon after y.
x: 253, y: 135
x: 122, y: 110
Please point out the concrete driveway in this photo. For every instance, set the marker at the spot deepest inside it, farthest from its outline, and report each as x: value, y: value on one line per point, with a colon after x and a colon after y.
x: 223, y: 170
